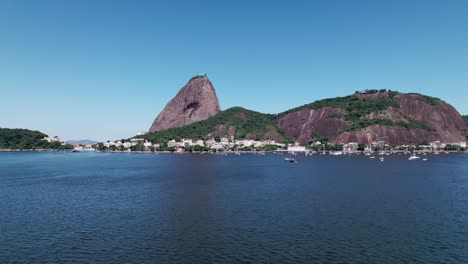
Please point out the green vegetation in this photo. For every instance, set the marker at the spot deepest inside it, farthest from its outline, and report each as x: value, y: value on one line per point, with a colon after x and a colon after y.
x: 255, y: 125
x: 352, y: 106
x: 413, y: 124
x: 247, y: 124
x: 27, y: 139
x: 137, y: 147
x: 465, y: 118
x: 198, y: 76
x: 453, y: 148
x: 315, y: 135
x: 327, y: 147
x: 197, y: 148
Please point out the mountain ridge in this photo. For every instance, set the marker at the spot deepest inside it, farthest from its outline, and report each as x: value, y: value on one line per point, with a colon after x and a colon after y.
x: 363, y: 117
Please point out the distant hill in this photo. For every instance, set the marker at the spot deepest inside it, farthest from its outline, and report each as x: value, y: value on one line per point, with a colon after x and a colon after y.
x: 81, y: 142
x: 26, y: 139
x: 363, y: 117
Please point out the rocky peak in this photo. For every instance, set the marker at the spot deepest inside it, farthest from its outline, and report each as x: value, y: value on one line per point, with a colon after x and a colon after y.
x: 196, y: 101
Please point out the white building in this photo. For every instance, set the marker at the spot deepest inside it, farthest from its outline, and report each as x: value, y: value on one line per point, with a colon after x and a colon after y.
x: 216, y: 146
x: 316, y: 143
x: 297, y: 148
x: 173, y: 144
x: 187, y: 142
x: 378, y: 144
x: 460, y: 144
x: 224, y: 141
x: 210, y: 142
x: 351, y: 147
x: 199, y: 142
x: 52, y: 139
x: 245, y: 142
x: 137, y: 140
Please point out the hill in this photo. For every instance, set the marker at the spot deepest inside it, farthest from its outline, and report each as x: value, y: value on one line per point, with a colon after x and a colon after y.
x: 368, y: 116
x: 363, y: 117
x: 26, y: 139
x: 234, y: 122
x: 81, y: 142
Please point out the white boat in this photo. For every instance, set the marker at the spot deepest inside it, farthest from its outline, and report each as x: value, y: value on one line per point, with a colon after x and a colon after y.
x: 290, y: 160
x: 372, y: 157
x: 381, y: 158
x: 424, y: 159
x: 413, y: 157
x: 337, y: 153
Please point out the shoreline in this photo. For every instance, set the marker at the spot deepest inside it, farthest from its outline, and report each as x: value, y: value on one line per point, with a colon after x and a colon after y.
x: 230, y: 152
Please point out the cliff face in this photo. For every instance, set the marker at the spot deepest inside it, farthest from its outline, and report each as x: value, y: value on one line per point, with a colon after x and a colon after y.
x: 398, y: 119
x: 196, y: 101
x: 299, y: 125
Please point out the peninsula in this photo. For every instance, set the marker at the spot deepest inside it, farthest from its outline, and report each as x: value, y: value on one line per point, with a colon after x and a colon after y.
x: 193, y: 118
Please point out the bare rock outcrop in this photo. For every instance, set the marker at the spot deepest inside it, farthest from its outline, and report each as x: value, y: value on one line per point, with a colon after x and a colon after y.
x: 440, y: 121
x: 196, y: 101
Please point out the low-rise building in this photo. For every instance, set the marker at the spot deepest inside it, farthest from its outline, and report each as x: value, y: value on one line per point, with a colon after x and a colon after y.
x: 351, y: 147
x: 52, y: 139
x: 217, y: 146
x: 460, y: 144
x: 199, y: 143
x: 173, y: 144
x: 187, y: 142
x: 245, y: 142
x: 378, y: 144
x: 297, y: 148
x: 435, y: 144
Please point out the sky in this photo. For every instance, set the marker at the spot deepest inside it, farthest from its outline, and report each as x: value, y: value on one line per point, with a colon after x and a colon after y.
x: 103, y: 70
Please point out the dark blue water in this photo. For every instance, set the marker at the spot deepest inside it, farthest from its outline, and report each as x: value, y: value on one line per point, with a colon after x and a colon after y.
x: 130, y: 208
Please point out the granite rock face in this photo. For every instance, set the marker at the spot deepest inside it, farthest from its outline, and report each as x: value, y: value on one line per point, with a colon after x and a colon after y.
x: 196, y: 101
x: 445, y: 123
x: 299, y: 125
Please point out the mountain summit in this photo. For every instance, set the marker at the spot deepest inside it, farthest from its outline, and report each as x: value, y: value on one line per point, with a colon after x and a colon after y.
x: 196, y: 101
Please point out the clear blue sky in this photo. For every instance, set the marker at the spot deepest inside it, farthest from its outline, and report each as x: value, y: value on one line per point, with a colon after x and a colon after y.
x: 104, y: 69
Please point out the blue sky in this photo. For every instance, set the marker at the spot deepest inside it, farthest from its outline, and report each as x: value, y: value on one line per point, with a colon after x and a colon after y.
x: 104, y: 69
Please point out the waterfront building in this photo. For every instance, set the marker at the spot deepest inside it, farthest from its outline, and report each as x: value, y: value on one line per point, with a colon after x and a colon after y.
x: 52, y: 139
x: 297, y: 148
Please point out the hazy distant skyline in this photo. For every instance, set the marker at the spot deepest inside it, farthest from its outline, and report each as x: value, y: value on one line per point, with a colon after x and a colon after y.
x: 104, y: 69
